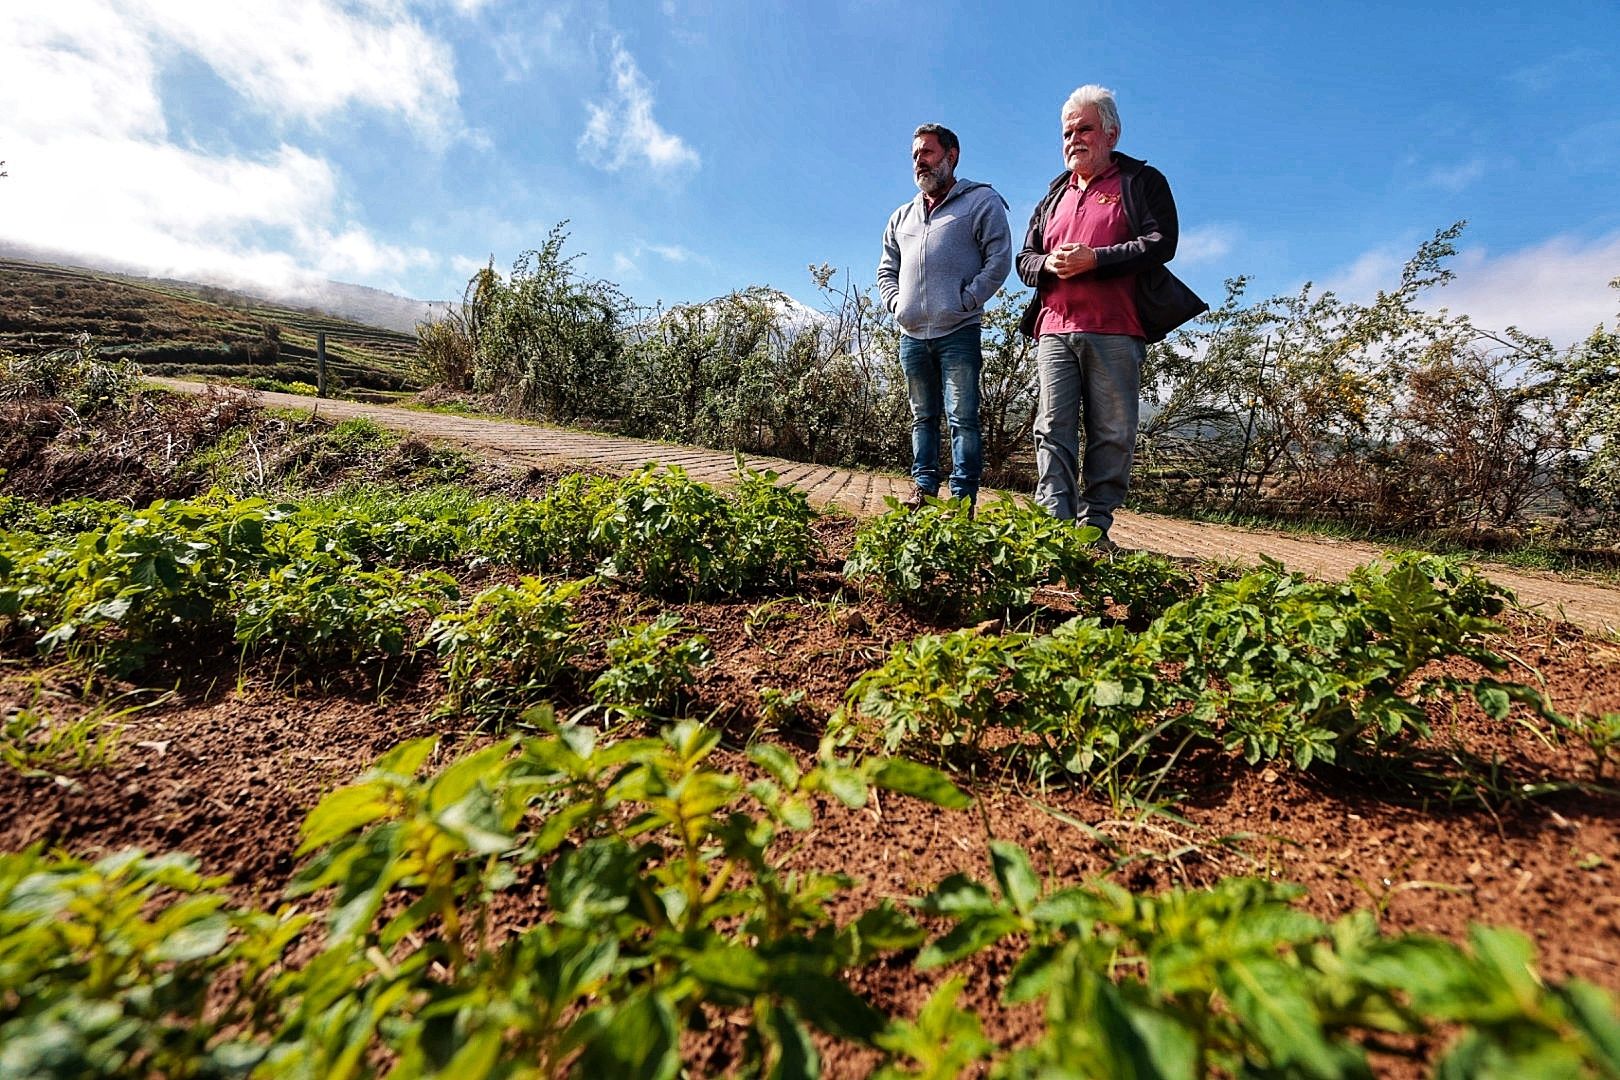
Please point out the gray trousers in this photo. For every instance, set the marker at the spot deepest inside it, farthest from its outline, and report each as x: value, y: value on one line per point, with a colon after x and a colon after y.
x: 1092, y: 381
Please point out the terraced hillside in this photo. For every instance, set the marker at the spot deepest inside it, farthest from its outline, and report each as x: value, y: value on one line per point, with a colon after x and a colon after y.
x: 173, y: 329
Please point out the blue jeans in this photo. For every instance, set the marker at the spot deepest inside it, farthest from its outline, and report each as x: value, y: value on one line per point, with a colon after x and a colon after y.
x: 942, y: 376
x: 1095, y: 380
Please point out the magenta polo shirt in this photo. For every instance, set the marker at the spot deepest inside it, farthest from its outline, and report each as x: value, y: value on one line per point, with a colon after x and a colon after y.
x: 1087, y: 304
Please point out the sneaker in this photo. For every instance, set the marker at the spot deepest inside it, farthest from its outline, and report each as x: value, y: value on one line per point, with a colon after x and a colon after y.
x: 1105, y: 545
x: 916, y: 499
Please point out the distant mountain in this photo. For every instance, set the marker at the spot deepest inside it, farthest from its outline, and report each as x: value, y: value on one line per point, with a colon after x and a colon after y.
x: 357, y: 303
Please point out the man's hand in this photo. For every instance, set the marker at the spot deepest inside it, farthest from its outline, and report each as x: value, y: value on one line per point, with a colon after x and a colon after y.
x: 1068, y: 260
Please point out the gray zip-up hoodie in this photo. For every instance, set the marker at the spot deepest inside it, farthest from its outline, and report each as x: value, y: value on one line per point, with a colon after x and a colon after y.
x: 939, y: 269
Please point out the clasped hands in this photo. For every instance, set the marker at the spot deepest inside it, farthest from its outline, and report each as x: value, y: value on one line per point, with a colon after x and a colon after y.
x: 1067, y: 260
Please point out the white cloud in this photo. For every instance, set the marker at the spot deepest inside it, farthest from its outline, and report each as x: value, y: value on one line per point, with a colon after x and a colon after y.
x: 1546, y: 75
x: 467, y: 266
x: 1205, y: 244
x: 620, y: 129
x: 1556, y: 289
x: 1591, y: 148
x: 631, y: 263
x: 307, y: 59
x: 75, y: 66
x: 529, y: 42
x: 672, y: 252
x: 1372, y: 271
x: 1456, y: 177
x: 96, y: 174
x: 355, y: 252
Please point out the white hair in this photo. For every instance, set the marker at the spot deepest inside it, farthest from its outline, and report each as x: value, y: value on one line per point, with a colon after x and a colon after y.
x: 1100, y: 96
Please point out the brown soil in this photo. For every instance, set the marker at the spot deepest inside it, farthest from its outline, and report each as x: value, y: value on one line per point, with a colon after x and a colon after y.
x: 227, y: 764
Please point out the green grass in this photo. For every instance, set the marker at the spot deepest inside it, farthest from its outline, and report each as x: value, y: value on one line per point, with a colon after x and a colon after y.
x: 441, y: 502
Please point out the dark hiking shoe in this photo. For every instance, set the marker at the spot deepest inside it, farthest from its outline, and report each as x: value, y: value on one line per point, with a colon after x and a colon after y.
x: 916, y: 499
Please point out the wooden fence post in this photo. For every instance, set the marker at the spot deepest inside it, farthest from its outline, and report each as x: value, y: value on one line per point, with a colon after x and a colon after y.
x: 320, y: 363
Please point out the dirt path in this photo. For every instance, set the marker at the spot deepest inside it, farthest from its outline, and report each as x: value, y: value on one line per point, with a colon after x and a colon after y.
x: 1592, y: 606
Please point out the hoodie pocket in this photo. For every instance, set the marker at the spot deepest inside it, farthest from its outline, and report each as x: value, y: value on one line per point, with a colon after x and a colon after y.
x: 911, y: 311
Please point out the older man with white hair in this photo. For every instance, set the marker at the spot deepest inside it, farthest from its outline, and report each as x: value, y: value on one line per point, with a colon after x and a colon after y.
x: 1095, y: 253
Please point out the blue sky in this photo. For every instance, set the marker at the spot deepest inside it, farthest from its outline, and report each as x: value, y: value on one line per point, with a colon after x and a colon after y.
x: 698, y: 146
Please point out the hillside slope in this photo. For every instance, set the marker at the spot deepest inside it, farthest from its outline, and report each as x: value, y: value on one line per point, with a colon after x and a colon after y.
x: 175, y: 329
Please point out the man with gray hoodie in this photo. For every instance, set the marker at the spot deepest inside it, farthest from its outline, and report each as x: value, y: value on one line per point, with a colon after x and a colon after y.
x: 945, y: 253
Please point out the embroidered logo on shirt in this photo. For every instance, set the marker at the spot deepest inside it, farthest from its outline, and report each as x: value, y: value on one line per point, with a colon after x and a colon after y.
x: 1105, y: 199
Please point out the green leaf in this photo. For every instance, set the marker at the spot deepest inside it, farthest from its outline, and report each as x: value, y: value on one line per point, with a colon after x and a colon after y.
x: 1015, y: 875
x: 195, y: 940
x: 576, y: 964
x: 342, y: 812
x: 405, y: 760
x: 886, y: 928
x: 796, y: 814
x: 1493, y: 699
x: 478, y: 1056
x: 453, y: 783
x: 1435, y: 973
x: 972, y: 934
x: 1480, y: 1056
x: 637, y: 1042
x: 827, y: 1003
x: 843, y: 783
x: 732, y: 967
x: 917, y: 780
x: 1593, y: 1011
x: 593, y: 881
x: 1163, y: 1051
x: 1066, y: 907
x: 776, y: 761
x: 793, y: 1055
x: 555, y: 828
x: 1509, y: 956
x: 959, y: 895
x: 1033, y: 974
x: 1173, y: 1048
x: 1272, y: 1000
x: 369, y: 877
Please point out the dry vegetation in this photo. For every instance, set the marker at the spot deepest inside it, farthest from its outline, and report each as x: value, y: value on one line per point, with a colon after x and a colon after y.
x: 206, y: 332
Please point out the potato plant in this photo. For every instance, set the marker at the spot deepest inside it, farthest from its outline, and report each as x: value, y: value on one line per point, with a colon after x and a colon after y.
x: 664, y: 901
x: 1234, y: 980
x: 1271, y: 665
x: 667, y: 534
x: 1286, y: 667
x: 509, y: 648
x: 947, y: 563
x: 658, y: 531
x: 328, y: 613
x: 650, y: 665
x: 664, y: 906
x: 935, y: 693
x: 119, y: 596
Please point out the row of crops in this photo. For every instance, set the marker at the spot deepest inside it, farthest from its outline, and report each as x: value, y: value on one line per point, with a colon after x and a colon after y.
x: 665, y: 903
